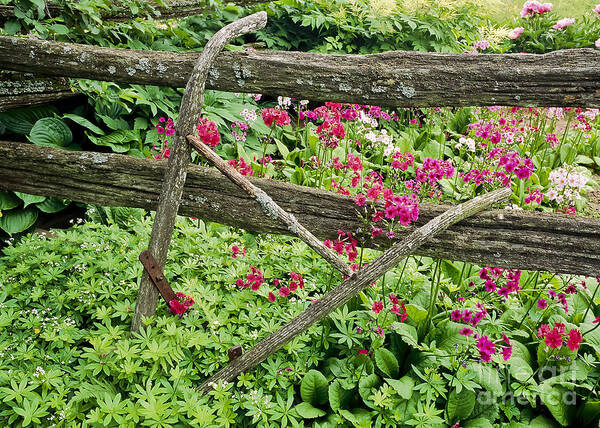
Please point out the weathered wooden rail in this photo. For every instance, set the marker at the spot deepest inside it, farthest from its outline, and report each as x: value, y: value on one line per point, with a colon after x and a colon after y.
x: 525, y: 240
x: 23, y: 89
x: 405, y: 79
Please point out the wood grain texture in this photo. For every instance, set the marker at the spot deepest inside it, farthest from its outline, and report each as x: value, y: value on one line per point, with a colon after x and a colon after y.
x: 521, y: 240
x: 175, y: 175
x: 351, y: 286
x: 22, y: 89
x: 404, y: 79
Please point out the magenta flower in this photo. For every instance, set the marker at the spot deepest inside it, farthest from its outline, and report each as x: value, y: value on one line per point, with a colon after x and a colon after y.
x: 542, y: 304
x: 377, y: 306
x: 465, y: 331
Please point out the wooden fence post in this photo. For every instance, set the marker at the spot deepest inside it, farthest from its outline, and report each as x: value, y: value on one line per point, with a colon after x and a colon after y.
x: 174, y: 179
x: 350, y: 287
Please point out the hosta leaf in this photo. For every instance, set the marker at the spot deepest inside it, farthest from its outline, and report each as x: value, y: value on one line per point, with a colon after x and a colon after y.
x: 52, y: 205
x: 314, y: 388
x: 307, y: 411
x: 30, y: 199
x: 50, y: 131
x: 118, y: 141
x: 21, y: 120
x: 460, y: 405
x: 84, y: 122
x: 403, y: 386
x: 8, y: 201
x: 16, y: 221
x: 386, y: 362
x: 407, y: 332
x: 519, y: 369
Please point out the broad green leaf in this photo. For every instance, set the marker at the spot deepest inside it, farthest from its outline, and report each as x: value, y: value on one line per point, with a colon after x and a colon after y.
x: 16, y: 221
x: 12, y: 27
x: 118, y: 141
x: 416, y: 312
x: 30, y: 199
x: 366, y: 384
x: 559, y: 400
x: 114, y: 124
x: 82, y: 121
x: 387, y: 362
x: 460, y: 405
x: 477, y: 423
x: 407, y: 332
x: 307, y: 411
x: 314, y: 388
x: 339, y: 397
x: 21, y: 120
x: 50, y: 131
x: 282, y: 149
x: 403, y: 386
x: 487, y: 377
x: 8, y: 201
x: 519, y: 369
x: 52, y: 205
x: 60, y: 29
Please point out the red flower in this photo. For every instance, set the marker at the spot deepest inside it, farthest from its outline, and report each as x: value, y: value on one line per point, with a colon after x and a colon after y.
x: 363, y: 352
x: 280, y: 117
x: 284, y: 291
x: 465, y: 331
x: 377, y: 306
x: 553, y: 339
x: 272, y: 297
x: 208, y: 132
x: 575, y: 339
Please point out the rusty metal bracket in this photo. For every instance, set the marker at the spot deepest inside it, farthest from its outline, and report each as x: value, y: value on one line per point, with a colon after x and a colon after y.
x: 234, y: 352
x: 157, y: 276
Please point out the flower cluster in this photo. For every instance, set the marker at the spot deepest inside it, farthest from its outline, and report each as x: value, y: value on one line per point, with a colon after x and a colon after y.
x: 515, y: 33
x: 167, y: 129
x: 275, y: 115
x: 563, y: 23
x: 487, y: 348
x: 239, y: 130
x: 180, y: 304
x: 235, y: 251
x: 566, y: 186
x: 554, y: 338
x: 532, y: 8
x: 254, y: 279
x: 535, y: 195
x: 296, y: 282
x: 208, y: 132
x: 398, y: 307
x: 468, y: 317
x: 402, y: 160
x: 495, y: 277
x: 344, y: 243
x: 241, y: 166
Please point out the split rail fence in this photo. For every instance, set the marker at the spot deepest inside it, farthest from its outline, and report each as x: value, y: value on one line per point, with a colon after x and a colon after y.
x: 557, y: 243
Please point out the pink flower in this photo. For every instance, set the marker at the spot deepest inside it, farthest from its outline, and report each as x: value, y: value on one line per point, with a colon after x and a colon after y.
x: 360, y: 200
x: 272, y: 297
x: 208, y: 132
x: 597, y: 10
x: 284, y: 291
x: 465, y: 331
x: 515, y: 33
x: 486, y: 348
x: 597, y: 43
x: 542, y: 304
x: 507, y: 352
x: 377, y: 306
x: 280, y: 117
x: 531, y: 8
x: 363, y: 352
x: 562, y: 23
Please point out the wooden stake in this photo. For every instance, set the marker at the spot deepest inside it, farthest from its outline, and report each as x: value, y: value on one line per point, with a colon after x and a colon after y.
x: 174, y: 179
x: 350, y: 287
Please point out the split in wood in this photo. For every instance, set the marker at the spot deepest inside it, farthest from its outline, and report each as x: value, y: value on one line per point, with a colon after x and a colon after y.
x: 351, y: 286
x: 270, y: 207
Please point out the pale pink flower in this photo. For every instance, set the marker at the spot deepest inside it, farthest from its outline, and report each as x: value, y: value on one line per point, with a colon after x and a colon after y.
x: 597, y: 43
x: 597, y: 10
x: 515, y: 33
x: 563, y: 23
